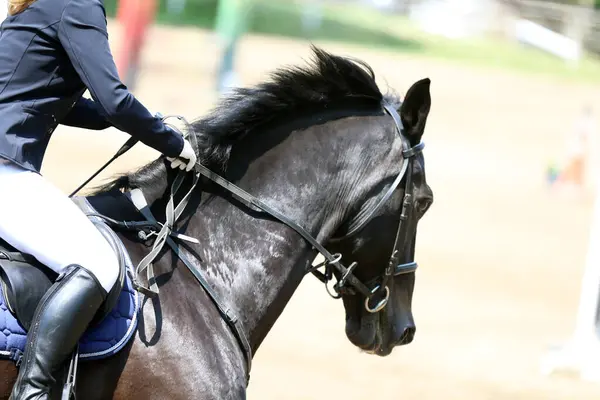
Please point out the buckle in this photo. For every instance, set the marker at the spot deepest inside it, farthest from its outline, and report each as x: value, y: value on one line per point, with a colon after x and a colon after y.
x: 382, y: 303
x: 142, y: 289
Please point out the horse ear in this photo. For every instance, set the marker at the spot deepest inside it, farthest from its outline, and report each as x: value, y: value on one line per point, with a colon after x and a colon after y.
x: 415, y: 108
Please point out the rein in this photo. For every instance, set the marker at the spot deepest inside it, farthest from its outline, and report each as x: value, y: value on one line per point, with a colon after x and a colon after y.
x: 165, y: 235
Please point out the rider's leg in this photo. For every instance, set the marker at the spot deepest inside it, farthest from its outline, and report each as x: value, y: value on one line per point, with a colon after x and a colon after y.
x: 38, y: 219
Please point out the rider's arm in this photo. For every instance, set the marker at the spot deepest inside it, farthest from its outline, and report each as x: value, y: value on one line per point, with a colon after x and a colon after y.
x: 83, y: 34
x: 86, y: 114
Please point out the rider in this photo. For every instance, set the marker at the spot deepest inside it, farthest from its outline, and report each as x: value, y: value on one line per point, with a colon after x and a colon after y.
x: 51, y: 51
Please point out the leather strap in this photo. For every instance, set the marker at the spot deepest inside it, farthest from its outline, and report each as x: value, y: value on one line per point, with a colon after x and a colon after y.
x: 172, y: 214
x: 15, y: 256
x: 139, y: 201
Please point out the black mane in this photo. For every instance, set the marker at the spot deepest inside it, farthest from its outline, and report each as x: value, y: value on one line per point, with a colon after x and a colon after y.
x: 329, y: 80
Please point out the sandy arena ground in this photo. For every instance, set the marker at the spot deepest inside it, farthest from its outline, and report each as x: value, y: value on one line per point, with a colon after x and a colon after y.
x: 501, y: 259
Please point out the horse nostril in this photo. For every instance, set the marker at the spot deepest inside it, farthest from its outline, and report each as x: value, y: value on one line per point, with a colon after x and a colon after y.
x: 407, y: 336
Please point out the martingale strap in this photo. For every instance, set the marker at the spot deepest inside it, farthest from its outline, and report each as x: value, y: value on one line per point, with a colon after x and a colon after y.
x: 139, y: 201
x: 164, y: 236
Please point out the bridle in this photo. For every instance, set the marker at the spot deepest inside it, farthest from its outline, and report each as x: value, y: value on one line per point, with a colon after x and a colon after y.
x: 348, y: 282
x: 359, y: 222
x: 393, y: 268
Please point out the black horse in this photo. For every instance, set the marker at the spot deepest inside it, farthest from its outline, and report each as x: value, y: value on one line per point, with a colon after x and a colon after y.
x: 324, y: 147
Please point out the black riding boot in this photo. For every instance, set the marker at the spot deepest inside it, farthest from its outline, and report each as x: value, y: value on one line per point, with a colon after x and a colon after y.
x: 60, y: 319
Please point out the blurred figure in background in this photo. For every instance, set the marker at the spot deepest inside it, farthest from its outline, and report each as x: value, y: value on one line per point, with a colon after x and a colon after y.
x: 135, y: 17
x: 230, y: 25
x: 577, y: 145
x: 175, y: 6
x: 312, y: 16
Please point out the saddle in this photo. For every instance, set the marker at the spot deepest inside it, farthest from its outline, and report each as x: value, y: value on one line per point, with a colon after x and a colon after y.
x: 25, y: 280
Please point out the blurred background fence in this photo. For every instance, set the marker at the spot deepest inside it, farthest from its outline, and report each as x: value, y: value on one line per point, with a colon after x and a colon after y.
x: 428, y: 27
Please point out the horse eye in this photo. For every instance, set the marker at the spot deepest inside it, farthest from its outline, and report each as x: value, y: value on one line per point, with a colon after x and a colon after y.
x: 423, y: 206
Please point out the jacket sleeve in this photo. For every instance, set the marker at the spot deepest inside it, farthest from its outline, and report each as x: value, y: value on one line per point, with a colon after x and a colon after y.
x: 83, y: 34
x: 86, y: 114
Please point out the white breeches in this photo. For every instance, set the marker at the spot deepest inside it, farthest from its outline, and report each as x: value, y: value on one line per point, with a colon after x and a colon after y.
x: 38, y: 219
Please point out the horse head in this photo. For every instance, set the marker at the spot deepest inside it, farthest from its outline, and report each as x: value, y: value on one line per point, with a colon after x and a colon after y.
x: 381, y: 240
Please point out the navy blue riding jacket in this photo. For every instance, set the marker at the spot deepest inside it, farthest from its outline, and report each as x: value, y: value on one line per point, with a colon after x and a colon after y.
x: 49, y: 55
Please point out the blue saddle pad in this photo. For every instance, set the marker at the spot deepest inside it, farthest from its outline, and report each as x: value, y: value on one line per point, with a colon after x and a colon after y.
x: 99, y: 341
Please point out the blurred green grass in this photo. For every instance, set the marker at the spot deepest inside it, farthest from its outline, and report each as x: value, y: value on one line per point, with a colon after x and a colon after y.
x: 369, y: 27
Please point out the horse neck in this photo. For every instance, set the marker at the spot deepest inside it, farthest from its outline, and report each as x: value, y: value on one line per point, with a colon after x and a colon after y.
x: 257, y: 263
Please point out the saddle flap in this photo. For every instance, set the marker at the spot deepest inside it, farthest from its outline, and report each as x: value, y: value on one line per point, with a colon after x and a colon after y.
x: 24, y: 286
x: 113, y: 296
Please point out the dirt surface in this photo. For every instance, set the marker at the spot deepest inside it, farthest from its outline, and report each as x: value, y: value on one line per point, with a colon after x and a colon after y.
x: 501, y: 258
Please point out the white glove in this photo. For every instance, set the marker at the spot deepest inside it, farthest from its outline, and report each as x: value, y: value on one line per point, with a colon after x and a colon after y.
x: 187, y: 158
